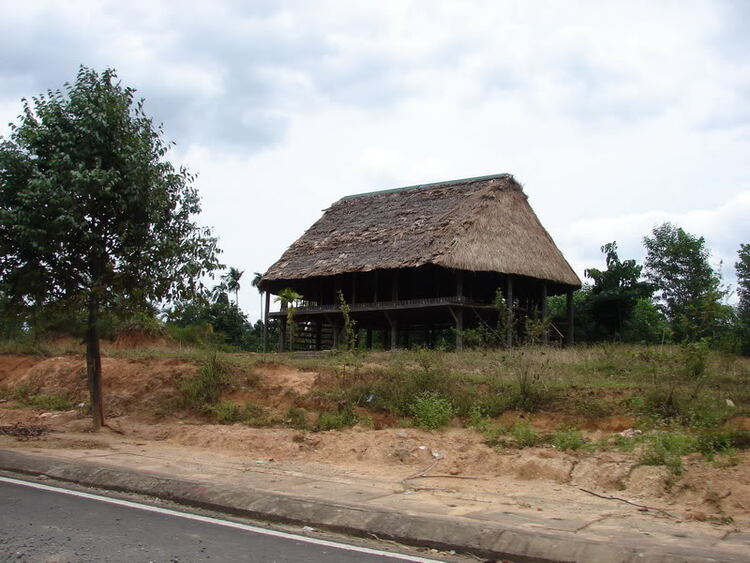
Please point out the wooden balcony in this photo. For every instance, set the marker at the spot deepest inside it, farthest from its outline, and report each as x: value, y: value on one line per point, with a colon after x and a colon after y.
x: 455, y: 301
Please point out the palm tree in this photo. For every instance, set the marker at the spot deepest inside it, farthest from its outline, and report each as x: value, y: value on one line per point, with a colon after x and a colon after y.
x: 219, y: 293
x: 232, y: 281
x: 289, y: 297
x: 257, y: 276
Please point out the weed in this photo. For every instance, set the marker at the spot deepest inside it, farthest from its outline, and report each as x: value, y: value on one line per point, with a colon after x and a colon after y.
x: 330, y: 420
x: 295, y: 418
x: 204, y: 389
x: 524, y: 435
x: 568, y: 440
x: 49, y: 402
x: 431, y: 410
x: 667, y: 448
x: 227, y: 413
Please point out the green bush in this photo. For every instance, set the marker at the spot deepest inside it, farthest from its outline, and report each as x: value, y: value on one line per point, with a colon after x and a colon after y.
x: 227, y: 413
x: 330, y: 420
x: 524, y: 435
x: 204, y: 389
x: 568, y: 440
x: 667, y: 448
x: 295, y: 418
x: 49, y: 402
x: 431, y: 410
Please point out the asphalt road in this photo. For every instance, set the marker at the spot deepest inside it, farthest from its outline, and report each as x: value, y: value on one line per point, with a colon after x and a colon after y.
x: 41, y: 525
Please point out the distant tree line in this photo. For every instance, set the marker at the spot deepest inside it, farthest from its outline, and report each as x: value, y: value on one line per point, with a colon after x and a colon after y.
x: 674, y: 296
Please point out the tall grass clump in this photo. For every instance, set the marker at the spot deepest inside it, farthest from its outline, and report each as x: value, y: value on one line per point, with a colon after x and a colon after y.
x: 204, y: 389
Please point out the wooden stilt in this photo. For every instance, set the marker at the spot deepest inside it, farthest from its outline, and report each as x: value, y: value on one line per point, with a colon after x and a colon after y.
x: 265, y: 322
x: 509, y: 307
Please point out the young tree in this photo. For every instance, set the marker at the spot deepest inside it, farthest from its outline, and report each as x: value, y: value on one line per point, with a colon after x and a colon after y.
x: 688, y: 288
x: 91, y: 213
x: 615, y: 292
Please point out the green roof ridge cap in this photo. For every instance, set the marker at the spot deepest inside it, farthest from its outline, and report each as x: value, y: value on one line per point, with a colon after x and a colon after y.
x: 431, y: 184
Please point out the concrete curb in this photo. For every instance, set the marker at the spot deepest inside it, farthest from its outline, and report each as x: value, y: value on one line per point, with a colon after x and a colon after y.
x: 486, y: 539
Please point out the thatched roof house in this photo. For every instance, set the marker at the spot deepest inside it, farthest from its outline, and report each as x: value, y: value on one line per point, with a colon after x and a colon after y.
x: 483, y: 227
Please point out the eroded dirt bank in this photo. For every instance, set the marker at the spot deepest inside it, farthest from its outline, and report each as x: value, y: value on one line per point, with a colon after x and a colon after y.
x: 142, y: 394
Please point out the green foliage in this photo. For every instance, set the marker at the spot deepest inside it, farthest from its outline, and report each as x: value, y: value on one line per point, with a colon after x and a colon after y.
x: 90, y: 208
x: 742, y: 267
x: 204, y: 389
x: 688, y: 287
x: 335, y: 420
x: 295, y: 418
x: 666, y: 448
x: 531, y: 392
x: 568, y: 440
x: 210, y: 318
x: 524, y: 435
x: 646, y: 324
x: 92, y: 215
x: 227, y: 413
x: 231, y: 281
x: 614, y: 293
x: 24, y: 395
x: 431, y: 410
x: 288, y: 298
x: 349, y: 332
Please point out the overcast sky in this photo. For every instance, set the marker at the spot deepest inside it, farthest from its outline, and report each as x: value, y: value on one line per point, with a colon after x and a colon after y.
x: 615, y: 116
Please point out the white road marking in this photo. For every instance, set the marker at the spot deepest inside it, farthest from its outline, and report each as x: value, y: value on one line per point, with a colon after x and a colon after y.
x: 219, y: 522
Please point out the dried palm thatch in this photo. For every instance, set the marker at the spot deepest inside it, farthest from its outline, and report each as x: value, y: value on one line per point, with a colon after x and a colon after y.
x: 476, y: 224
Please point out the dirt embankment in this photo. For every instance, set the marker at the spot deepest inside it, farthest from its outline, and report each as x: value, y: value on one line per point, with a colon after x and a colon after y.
x: 141, y: 396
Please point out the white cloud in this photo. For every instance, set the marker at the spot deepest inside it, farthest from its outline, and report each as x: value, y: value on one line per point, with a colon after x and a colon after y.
x: 615, y: 116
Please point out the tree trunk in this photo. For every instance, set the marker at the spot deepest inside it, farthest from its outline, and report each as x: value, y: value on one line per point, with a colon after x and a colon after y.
x: 94, y: 365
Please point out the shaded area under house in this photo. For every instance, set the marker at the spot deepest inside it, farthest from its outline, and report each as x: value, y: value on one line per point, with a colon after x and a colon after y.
x: 421, y: 263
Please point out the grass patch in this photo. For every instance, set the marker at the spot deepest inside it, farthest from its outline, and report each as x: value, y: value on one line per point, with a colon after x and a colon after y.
x: 330, y: 420
x: 204, y: 390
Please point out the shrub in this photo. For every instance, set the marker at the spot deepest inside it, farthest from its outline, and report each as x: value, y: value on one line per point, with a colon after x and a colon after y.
x: 330, y: 420
x: 667, y: 448
x: 568, y: 440
x: 253, y: 415
x: 524, y: 435
x: 227, y: 413
x: 49, y: 402
x: 205, y: 388
x: 431, y: 410
x: 295, y: 418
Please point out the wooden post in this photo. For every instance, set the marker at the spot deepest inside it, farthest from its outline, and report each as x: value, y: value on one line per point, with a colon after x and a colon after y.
x: 265, y: 322
x: 459, y: 329
x: 375, y: 286
x: 394, y: 286
x: 460, y: 284
x: 318, y: 333
x: 354, y: 287
x: 509, y: 307
x: 569, y: 340
x: 394, y: 330
x: 368, y: 342
x: 545, y: 335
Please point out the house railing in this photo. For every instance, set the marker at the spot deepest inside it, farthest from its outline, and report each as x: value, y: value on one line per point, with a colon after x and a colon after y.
x: 383, y: 305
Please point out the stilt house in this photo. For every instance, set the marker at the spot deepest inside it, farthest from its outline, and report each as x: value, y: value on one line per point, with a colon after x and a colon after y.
x: 414, y: 263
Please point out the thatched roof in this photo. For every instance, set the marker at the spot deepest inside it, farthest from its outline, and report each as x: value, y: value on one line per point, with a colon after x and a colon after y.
x: 476, y: 224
